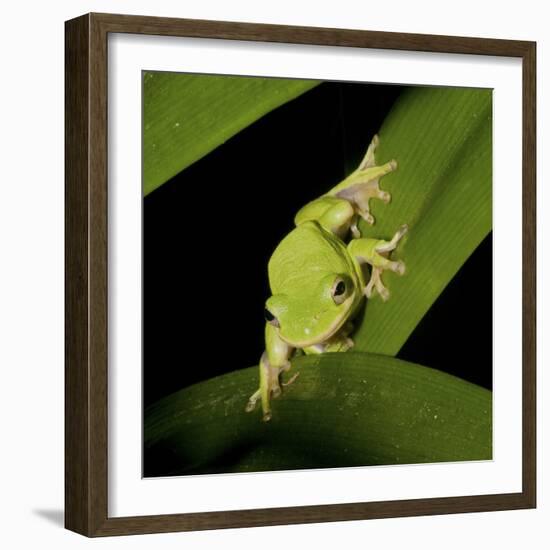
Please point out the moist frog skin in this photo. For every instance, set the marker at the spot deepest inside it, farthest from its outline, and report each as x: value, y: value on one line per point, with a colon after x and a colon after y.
x: 317, y: 276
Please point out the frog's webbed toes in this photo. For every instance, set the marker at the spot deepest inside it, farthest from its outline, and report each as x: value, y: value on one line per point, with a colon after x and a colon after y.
x: 364, y: 186
x: 384, y: 293
x: 379, y: 261
x: 375, y: 284
x: 398, y: 267
x: 367, y: 216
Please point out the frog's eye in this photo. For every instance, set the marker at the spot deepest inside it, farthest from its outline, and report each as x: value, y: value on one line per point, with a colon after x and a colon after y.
x: 270, y: 318
x: 339, y: 291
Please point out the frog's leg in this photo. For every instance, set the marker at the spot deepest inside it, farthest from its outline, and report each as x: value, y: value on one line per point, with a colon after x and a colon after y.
x: 375, y: 252
x: 339, y: 209
x: 269, y: 387
x: 334, y: 214
x: 273, y: 362
x: 364, y: 183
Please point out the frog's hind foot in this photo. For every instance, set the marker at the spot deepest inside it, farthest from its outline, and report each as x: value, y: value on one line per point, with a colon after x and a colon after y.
x: 270, y: 388
x: 364, y: 183
x: 340, y: 209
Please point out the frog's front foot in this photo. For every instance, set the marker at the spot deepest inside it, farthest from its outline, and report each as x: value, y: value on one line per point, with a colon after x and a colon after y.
x: 380, y: 263
x: 375, y: 252
x: 269, y: 387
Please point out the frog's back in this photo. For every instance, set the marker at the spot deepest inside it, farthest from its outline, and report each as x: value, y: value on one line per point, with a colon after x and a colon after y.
x: 306, y: 253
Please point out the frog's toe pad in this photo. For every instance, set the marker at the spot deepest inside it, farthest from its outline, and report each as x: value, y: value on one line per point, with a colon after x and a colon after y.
x: 384, y: 196
x: 399, y: 267
x: 384, y: 293
x: 375, y: 283
x: 368, y: 217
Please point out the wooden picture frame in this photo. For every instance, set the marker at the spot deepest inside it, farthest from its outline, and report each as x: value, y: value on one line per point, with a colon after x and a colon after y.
x: 86, y: 360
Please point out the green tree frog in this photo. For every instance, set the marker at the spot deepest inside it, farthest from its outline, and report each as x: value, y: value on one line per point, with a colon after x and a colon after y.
x: 318, y: 281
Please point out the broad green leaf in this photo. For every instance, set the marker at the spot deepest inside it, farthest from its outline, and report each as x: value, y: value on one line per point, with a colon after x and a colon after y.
x: 344, y: 409
x: 186, y: 116
x: 441, y: 139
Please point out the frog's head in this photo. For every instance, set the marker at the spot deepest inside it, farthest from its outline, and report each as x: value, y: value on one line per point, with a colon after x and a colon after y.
x: 314, y: 310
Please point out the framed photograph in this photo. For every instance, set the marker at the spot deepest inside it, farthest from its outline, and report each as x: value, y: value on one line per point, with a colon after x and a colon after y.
x: 300, y: 275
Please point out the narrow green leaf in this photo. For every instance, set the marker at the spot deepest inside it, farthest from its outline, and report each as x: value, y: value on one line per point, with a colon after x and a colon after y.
x: 186, y: 116
x: 344, y: 409
x: 441, y: 139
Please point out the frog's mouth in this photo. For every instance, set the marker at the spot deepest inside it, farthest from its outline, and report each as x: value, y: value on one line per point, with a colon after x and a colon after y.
x: 333, y: 329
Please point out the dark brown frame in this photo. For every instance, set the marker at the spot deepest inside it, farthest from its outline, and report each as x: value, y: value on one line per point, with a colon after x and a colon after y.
x: 86, y: 274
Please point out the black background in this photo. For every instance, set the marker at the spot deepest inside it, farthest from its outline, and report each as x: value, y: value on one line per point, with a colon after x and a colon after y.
x: 209, y: 232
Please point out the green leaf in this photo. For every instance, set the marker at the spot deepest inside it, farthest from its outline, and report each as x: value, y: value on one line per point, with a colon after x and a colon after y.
x: 344, y: 409
x: 441, y: 139
x: 186, y: 116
